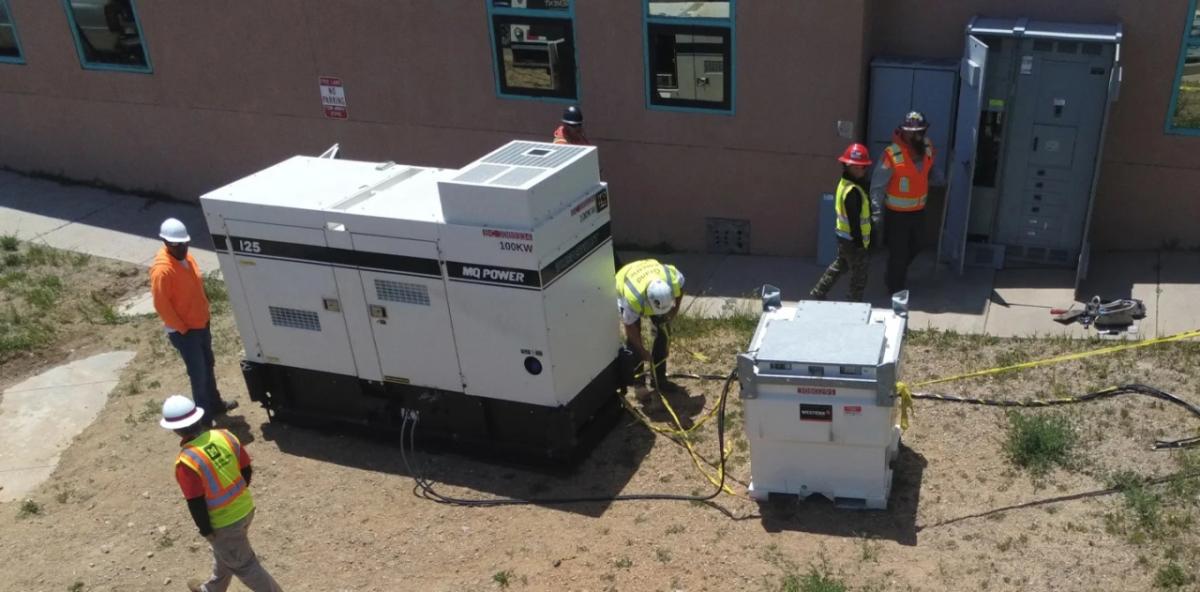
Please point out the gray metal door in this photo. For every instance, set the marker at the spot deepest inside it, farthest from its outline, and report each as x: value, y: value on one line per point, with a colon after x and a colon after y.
x: 953, y: 241
x: 1058, y: 113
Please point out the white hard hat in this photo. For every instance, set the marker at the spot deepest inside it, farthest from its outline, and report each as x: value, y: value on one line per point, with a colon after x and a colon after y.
x: 179, y: 412
x: 661, y: 298
x: 173, y: 231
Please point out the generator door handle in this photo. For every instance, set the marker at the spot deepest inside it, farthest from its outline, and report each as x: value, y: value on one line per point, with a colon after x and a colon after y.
x: 1035, y: 143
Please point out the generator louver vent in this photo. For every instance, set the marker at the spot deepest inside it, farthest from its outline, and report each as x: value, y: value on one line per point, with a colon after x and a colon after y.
x: 534, y: 155
x: 402, y: 292
x: 295, y: 318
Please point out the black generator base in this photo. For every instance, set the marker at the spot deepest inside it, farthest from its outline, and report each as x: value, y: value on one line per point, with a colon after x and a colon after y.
x: 471, y: 424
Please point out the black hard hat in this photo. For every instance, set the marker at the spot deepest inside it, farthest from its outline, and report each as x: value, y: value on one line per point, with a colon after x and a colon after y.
x: 572, y: 116
x: 914, y: 122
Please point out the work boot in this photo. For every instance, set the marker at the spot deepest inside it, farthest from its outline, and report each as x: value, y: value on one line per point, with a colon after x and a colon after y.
x: 195, y: 585
x: 667, y: 386
x: 226, y: 407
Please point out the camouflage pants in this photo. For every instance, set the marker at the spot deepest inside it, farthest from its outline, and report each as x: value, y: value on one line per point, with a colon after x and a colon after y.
x: 849, y: 255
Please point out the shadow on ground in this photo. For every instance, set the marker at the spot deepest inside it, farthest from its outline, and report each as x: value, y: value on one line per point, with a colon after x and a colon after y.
x: 604, y: 473
x: 816, y: 515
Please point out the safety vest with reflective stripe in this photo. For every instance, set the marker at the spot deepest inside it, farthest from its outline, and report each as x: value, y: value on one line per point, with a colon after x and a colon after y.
x: 214, y: 456
x: 845, y: 186
x: 908, y: 188
x: 633, y: 279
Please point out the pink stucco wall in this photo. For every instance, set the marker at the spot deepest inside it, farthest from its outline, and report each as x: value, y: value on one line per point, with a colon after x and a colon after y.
x: 234, y: 89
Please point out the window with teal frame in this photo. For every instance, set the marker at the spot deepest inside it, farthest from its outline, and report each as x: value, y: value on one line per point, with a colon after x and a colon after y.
x: 690, y: 55
x: 533, y: 49
x: 10, y: 44
x: 1184, y: 116
x: 108, y: 35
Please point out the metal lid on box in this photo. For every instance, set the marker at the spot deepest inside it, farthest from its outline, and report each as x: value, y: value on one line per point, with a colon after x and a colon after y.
x: 833, y: 333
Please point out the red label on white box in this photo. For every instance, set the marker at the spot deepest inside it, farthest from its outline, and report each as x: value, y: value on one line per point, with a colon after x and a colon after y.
x: 852, y: 409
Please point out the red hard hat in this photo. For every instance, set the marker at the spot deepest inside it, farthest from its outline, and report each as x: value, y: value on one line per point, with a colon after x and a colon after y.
x: 856, y: 154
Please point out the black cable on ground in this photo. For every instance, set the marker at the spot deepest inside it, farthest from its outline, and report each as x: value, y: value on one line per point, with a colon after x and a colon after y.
x: 424, y: 487
x: 1110, y: 392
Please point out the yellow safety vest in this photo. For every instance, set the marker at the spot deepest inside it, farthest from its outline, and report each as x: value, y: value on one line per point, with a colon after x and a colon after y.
x: 844, y: 188
x: 633, y: 279
x: 214, y: 456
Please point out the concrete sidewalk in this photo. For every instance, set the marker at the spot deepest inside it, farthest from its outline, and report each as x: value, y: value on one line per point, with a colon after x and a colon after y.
x: 1005, y: 303
x: 1010, y: 302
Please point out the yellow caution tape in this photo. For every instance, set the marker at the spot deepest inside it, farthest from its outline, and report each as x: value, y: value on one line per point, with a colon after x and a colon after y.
x: 906, y: 403
x: 1063, y: 358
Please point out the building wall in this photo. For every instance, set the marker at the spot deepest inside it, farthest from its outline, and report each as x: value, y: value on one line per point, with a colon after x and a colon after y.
x: 234, y: 89
x: 1146, y: 193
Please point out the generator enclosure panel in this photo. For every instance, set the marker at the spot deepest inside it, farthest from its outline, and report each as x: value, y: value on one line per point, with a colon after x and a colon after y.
x: 476, y: 301
x: 1034, y: 100
x: 818, y: 391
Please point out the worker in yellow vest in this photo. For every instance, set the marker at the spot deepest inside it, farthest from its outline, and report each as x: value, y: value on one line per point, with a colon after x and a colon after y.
x: 213, y: 471
x: 648, y: 288
x: 899, y: 187
x: 853, y: 229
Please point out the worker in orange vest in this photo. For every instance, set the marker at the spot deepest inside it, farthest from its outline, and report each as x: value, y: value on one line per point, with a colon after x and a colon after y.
x: 571, y: 130
x: 899, y: 188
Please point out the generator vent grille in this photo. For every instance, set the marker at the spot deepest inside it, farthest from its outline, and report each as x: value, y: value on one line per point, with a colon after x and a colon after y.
x: 295, y: 318
x: 401, y: 292
x: 529, y: 154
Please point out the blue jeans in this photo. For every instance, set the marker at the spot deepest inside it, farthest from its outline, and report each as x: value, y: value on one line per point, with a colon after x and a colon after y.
x: 196, y: 350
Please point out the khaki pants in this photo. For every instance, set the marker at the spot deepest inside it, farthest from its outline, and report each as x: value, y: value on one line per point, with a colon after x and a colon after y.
x: 232, y: 556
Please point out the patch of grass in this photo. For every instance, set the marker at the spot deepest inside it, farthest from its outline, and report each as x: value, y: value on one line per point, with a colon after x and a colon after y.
x: 45, y: 293
x: 503, y: 578
x: 818, y: 579
x: 38, y: 255
x: 687, y: 327
x: 676, y: 529
x: 1171, y: 576
x: 623, y: 563
x: 214, y: 290
x: 663, y: 555
x: 76, y: 587
x: 29, y: 508
x: 20, y: 332
x: 13, y: 260
x: 1185, y: 485
x: 9, y: 242
x: 1145, y: 505
x: 1039, y: 442
x: 100, y: 311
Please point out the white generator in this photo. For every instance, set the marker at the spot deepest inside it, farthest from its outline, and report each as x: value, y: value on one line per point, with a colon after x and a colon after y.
x: 817, y: 388
x: 478, y: 300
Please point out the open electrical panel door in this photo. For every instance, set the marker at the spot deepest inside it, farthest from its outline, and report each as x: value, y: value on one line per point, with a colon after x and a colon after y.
x: 953, y: 242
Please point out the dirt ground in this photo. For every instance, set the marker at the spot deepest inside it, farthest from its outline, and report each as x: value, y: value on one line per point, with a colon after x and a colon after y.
x: 338, y: 512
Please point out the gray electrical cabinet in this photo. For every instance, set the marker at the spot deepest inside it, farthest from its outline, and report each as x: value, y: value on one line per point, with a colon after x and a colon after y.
x: 900, y: 85
x: 1033, y: 107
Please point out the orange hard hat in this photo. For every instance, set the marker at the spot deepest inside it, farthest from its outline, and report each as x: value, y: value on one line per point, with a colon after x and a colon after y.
x: 856, y: 154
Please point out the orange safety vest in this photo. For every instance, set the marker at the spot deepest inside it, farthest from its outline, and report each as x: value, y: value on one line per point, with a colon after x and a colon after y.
x: 564, y: 136
x: 908, y: 188
x: 214, y: 456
